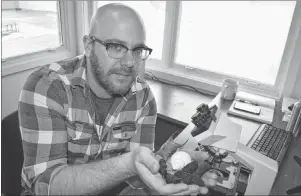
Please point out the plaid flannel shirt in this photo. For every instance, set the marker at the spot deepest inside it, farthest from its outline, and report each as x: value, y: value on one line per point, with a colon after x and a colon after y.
x: 58, y: 128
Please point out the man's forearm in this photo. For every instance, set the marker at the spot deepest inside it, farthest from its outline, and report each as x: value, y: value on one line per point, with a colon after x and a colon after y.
x: 92, y: 178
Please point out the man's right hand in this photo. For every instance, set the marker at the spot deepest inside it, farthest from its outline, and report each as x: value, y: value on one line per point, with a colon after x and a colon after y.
x: 146, y: 166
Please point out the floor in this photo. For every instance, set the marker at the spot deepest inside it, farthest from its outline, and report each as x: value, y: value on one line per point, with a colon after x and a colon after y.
x: 36, y: 31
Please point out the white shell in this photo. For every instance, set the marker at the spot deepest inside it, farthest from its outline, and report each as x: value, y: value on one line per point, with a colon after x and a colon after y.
x: 179, y: 160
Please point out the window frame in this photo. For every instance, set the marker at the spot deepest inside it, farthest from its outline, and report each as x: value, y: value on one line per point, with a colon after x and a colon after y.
x: 68, y: 49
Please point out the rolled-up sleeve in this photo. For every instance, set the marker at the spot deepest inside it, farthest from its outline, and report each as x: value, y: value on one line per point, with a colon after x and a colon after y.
x: 43, y: 130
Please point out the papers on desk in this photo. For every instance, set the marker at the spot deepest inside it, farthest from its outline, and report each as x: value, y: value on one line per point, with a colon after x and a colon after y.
x: 225, y: 134
x: 266, y: 106
x: 286, y: 117
x: 286, y: 102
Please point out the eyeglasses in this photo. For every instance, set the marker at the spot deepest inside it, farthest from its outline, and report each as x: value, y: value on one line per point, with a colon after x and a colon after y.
x: 118, y: 51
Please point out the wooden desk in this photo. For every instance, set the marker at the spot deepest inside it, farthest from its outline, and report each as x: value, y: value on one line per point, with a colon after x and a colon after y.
x: 177, y: 105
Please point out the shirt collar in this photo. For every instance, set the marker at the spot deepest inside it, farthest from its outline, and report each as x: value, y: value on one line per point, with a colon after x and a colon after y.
x: 79, y: 76
x: 134, y: 86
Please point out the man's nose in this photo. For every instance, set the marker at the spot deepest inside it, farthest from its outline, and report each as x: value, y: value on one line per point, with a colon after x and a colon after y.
x: 128, y: 59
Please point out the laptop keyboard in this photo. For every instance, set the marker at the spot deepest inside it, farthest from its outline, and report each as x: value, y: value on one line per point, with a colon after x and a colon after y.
x: 272, y: 142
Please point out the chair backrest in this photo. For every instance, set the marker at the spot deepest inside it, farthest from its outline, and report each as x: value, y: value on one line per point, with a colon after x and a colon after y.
x: 11, y: 155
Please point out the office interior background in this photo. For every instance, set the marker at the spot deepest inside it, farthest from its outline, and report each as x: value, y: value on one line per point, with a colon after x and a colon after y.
x: 196, y: 43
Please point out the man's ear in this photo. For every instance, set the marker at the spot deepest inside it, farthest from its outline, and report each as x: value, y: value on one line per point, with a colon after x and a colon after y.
x: 87, y: 45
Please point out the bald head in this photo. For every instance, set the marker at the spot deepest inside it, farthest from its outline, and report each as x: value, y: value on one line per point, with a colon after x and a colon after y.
x: 116, y: 19
x: 116, y: 25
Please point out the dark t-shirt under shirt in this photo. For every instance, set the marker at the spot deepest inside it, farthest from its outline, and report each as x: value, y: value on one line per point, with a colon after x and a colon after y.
x: 102, y: 107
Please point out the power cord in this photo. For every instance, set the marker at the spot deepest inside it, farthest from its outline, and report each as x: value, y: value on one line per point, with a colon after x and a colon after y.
x: 153, y: 77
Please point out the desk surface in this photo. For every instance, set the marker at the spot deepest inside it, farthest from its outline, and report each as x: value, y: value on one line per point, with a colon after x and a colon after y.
x: 178, y: 105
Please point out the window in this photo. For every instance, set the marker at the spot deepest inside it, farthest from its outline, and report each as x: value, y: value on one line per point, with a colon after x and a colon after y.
x: 254, y: 42
x: 153, y: 15
x: 30, y: 23
x: 238, y: 38
x: 35, y: 33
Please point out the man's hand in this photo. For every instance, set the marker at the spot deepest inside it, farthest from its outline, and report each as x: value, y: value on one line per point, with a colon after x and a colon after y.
x: 147, y: 166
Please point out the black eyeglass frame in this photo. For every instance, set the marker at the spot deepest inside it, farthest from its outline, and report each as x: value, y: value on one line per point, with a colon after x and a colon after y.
x: 107, y: 45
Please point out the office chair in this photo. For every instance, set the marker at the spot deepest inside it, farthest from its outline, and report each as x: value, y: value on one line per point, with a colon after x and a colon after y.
x: 11, y: 155
x: 296, y: 189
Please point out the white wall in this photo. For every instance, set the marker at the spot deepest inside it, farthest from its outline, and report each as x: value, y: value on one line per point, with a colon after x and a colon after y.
x: 9, y: 5
x: 11, y: 88
x: 38, y: 5
x: 297, y: 86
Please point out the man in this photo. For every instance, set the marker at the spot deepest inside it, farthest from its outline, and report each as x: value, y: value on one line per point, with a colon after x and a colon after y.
x: 88, y: 123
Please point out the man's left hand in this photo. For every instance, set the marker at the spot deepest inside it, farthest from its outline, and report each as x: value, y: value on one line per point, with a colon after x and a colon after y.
x: 147, y: 167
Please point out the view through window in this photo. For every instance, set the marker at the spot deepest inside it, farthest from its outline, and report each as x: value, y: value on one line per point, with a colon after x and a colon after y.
x: 239, y: 38
x: 153, y: 15
x: 29, y: 26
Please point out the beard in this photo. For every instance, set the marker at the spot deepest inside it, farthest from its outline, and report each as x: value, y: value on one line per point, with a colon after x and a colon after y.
x: 106, y: 80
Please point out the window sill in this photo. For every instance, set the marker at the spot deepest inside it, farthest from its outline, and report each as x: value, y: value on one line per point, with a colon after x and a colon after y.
x: 30, y: 61
x: 208, y: 85
x: 173, y: 76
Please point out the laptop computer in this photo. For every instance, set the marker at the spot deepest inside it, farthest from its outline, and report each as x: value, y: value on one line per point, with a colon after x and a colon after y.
x: 271, y: 142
